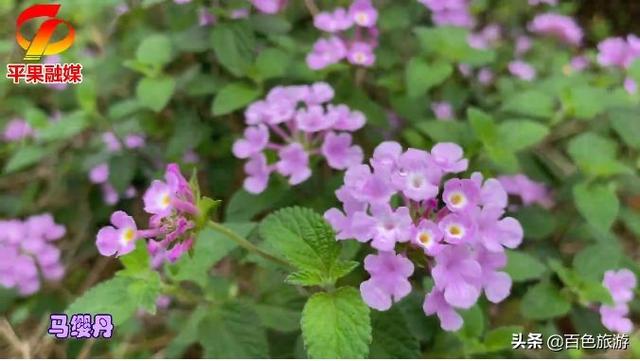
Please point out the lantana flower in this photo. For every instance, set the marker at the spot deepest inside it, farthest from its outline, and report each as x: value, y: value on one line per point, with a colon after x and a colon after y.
x: 357, y: 49
x: 563, y: 28
x: 28, y: 252
x: 620, y: 284
x: 450, y: 12
x: 296, y: 123
x: 407, y: 200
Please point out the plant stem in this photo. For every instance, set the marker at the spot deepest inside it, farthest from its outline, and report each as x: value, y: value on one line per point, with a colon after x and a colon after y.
x: 244, y: 243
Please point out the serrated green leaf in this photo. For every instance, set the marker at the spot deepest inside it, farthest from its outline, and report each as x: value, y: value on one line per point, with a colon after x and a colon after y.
x: 598, y: 204
x: 531, y: 103
x: 272, y: 63
x: 69, y: 126
x: 233, y: 97
x: 278, y: 317
x: 627, y: 125
x: 537, y: 222
x: 137, y: 261
x: 305, y: 239
x: 544, y: 301
x: 24, y: 157
x: 592, y: 262
x: 523, y: 267
x: 391, y: 336
x: 122, y: 169
x: 521, y: 134
x: 154, y: 93
x: 187, y: 333
x: 336, y: 325
x: 231, y: 331
x: 483, y: 125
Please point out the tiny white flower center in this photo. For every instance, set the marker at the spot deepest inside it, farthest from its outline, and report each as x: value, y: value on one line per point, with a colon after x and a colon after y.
x: 362, y: 18
x: 359, y: 57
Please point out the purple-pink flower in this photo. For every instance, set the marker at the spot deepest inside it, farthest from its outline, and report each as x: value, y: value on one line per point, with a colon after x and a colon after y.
x: 28, y: 252
x: 530, y: 191
x: 295, y: 123
x: 172, y: 209
x: 359, y: 49
x: 442, y: 110
x: 450, y: 12
x: 389, y: 279
x: 621, y: 285
x: 522, y: 70
x: 17, y: 129
x: 557, y: 26
x: 269, y: 6
x: 409, y: 197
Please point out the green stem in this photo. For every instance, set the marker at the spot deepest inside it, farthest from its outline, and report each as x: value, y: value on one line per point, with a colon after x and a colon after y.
x: 244, y: 243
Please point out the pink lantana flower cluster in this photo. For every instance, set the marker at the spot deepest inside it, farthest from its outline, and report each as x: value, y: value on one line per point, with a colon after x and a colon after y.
x: 406, y: 201
x: 296, y: 122
x: 269, y: 6
x: 450, y: 12
x: 529, y: 191
x: 27, y: 250
x: 561, y: 27
x: 359, y: 49
x: 618, y: 52
x: 171, y: 204
x: 620, y: 284
x: 17, y: 129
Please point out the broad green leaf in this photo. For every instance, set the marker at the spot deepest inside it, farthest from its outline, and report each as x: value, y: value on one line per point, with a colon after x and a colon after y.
x: 521, y: 134
x: 120, y: 296
x: 421, y: 76
x: 137, y: 261
x: 598, y: 204
x: 537, y: 222
x: 484, y: 126
x: 154, y: 93
x: 232, y: 331
x: 457, y: 132
x: 305, y: 239
x: 596, y: 155
x: 336, y: 325
x: 523, y: 267
x: 210, y: 247
x: 187, y: 333
x: 585, y: 102
x: 121, y: 171
x: 233, y: 44
x: 155, y: 50
x: 627, y: 124
x: 473, y: 326
x: 272, y: 63
x: 233, y: 97
x: 391, y: 336
x: 531, y: 102
x: 451, y: 43
x: 278, y: 317
x: 66, y: 128
x: 632, y: 220
x: 544, y: 301
x: 499, y: 338
x: 588, y: 290
x: 592, y: 262
x: 24, y: 157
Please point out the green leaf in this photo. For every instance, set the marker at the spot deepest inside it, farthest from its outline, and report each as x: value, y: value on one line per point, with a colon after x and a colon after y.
x: 155, y: 50
x: 25, y: 156
x: 585, y: 102
x: 154, y: 93
x: 451, y: 43
x: 137, y: 261
x: 523, y: 267
x: 544, y: 301
x: 596, y: 155
x: 231, y: 331
x: 588, y: 290
x: 631, y: 219
x: 305, y: 239
x: 187, y: 333
x: 592, y: 262
x: 537, y: 222
x: 391, y: 336
x: 233, y: 44
x: 110, y: 297
x: 233, y: 97
x: 66, y: 128
x: 521, y: 134
x: 272, y: 63
x: 531, y: 103
x: 278, y: 317
x: 483, y: 125
x: 473, y: 326
x: 598, y: 204
x: 122, y: 169
x: 336, y: 325
x: 627, y: 125
x: 210, y: 247
x: 499, y: 338
x: 421, y: 76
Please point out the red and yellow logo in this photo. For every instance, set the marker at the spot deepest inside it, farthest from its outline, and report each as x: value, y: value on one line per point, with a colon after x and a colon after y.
x: 40, y: 44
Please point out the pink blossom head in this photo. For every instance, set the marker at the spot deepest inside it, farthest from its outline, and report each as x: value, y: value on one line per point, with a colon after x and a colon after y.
x: 361, y: 53
x: 258, y: 172
x: 558, y: 26
x: 339, y: 151
x: 254, y: 141
x: 522, y: 70
x: 363, y: 13
x: 428, y: 236
x: 294, y: 163
x: 99, y: 174
x: 621, y: 284
x: 449, y: 157
x: 461, y: 195
x: 269, y: 6
x: 133, y: 141
x: 326, y: 52
x: 389, y: 279
x: 435, y: 303
x: 616, y: 318
x: 442, y: 110
x: 333, y: 22
x: 111, y: 141
x: 17, y: 129
x: 118, y: 239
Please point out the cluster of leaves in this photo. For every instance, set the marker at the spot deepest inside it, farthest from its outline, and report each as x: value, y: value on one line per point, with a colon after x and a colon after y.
x: 154, y: 70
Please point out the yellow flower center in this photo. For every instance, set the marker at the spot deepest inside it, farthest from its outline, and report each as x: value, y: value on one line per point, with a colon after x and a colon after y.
x: 425, y: 238
x: 128, y: 235
x: 362, y: 18
x: 455, y: 230
x: 456, y: 199
x: 166, y: 200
